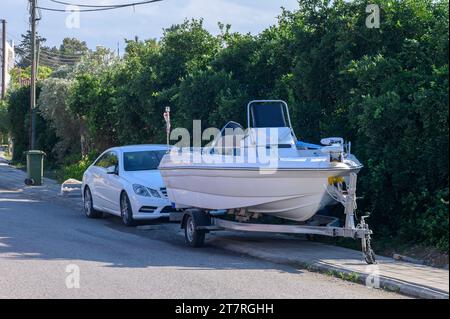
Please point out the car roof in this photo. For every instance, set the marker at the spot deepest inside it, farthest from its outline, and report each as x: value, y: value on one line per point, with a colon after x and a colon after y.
x: 139, y: 147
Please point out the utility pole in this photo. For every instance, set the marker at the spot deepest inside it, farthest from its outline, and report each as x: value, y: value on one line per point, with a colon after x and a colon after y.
x: 33, y: 75
x: 4, y: 66
x: 38, y: 51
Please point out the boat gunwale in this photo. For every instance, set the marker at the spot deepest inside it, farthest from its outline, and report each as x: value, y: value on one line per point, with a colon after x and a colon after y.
x: 167, y: 168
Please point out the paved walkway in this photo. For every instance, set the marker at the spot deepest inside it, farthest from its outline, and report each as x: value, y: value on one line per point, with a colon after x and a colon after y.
x: 407, y: 278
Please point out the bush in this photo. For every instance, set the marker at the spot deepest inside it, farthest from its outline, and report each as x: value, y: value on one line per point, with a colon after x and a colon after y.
x: 19, y: 118
x: 433, y: 223
x: 76, y: 170
x: 4, y: 122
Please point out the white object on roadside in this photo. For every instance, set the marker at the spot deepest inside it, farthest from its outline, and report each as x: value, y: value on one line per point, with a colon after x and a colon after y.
x: 71, y: 188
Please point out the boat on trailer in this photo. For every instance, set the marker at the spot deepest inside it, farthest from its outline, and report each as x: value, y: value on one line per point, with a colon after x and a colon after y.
x: 264, y: 170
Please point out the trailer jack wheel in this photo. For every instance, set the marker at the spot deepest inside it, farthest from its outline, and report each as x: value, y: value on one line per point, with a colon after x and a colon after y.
x: 369, y: 255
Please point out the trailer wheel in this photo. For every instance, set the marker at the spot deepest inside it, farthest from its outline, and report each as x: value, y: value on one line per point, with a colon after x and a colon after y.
x: 192, y: 236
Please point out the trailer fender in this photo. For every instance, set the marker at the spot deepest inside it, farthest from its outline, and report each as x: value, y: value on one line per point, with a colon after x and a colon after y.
x: 201, y: 217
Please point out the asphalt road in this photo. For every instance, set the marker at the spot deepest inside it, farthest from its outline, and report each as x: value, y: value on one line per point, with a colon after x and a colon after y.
x: 40, y: 241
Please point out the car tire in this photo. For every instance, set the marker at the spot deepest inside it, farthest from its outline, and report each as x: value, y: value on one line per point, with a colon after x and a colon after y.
x: 89, y: 210
x: 126, y: 211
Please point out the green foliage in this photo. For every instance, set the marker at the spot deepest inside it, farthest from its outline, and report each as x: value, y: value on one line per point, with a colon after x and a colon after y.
x: 18, y: 74
x: 18, y: 105
x: 92, y: 98
x: 76, y: 170
x: 51, y: 57
x: 19, y: 118
x: 53, y: 107
x: 434, y: 222
x: 4, y: 123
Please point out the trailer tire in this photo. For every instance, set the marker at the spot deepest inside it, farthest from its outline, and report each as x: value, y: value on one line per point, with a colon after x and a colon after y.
x: 193, y: 236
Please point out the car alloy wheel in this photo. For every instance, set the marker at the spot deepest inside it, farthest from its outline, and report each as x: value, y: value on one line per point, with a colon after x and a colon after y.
x: 87, y: 202
x: 89, y: 210
x: 126, y: 210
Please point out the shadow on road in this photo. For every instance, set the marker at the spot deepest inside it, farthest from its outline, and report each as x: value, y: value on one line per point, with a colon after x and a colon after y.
x: 33, y: 229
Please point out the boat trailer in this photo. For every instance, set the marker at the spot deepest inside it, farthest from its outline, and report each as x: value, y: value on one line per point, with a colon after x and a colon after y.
x: 196, y: 222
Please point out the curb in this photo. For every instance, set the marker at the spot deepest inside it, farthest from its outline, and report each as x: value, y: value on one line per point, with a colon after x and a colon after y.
x: 386, y: 283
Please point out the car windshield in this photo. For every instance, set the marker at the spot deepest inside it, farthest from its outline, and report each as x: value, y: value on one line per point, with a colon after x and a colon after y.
x: 142, y: 160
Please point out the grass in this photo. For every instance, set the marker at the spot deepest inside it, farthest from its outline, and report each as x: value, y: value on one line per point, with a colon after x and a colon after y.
x: 352, y: 276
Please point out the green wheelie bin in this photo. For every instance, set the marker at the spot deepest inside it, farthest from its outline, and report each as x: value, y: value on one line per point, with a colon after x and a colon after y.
x: 35, y: 167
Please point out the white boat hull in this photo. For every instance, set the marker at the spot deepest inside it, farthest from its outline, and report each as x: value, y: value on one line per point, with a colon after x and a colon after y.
x: 287, y: 193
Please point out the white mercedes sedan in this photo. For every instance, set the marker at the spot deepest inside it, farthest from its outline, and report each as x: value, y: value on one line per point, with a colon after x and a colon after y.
x: 125, y: 181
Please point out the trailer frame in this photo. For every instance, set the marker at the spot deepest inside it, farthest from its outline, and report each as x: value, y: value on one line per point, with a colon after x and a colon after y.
x: 197, y: 222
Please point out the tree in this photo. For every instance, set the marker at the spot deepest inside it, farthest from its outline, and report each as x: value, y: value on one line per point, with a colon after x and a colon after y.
x: 71, y: 47
x: 53, y: 106
x: 23, y: 49
x: 69, y: 53
x: 92, y: 99
x: 18, y: 114
x: 19, y: 76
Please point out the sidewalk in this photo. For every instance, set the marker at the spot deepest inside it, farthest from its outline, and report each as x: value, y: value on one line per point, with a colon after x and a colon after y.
x: 399, y: 276
x: 13, y: 179
x: 410, y: 279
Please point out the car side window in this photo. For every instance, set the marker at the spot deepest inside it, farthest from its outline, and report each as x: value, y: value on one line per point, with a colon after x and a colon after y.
x: 113, y: 160
x: 107, y: 160
x: 102, y: 161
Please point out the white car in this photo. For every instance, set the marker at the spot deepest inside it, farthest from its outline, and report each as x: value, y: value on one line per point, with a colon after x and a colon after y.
x: 125, y: 181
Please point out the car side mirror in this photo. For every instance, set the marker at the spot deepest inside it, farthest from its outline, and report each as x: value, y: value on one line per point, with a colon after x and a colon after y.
x: 112, y: 170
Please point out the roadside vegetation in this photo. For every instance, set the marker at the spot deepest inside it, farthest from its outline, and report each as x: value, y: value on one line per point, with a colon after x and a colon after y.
x: 384, y: 89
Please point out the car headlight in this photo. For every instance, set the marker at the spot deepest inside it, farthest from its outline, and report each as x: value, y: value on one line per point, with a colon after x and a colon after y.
x: 153, y: 192
x: 145, y: 191
x: 140, y: 190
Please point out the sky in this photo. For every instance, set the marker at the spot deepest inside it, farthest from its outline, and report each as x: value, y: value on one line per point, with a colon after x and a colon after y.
x: 110, y: 28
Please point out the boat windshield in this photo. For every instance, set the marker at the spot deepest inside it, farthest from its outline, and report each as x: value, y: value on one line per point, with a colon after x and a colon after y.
x: 268, y: 114
x: 142, y: 160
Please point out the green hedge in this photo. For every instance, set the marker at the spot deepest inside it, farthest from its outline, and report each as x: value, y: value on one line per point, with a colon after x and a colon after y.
x: 18, y: 104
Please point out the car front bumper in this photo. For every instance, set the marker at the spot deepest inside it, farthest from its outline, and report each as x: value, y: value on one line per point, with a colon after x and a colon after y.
x: 145, y: 208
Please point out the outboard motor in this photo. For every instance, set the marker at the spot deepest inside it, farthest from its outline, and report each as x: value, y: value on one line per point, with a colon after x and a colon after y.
x: 334, y: 146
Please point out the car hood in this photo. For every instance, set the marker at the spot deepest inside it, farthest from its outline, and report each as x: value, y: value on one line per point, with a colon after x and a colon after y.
x: 151, y: 178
